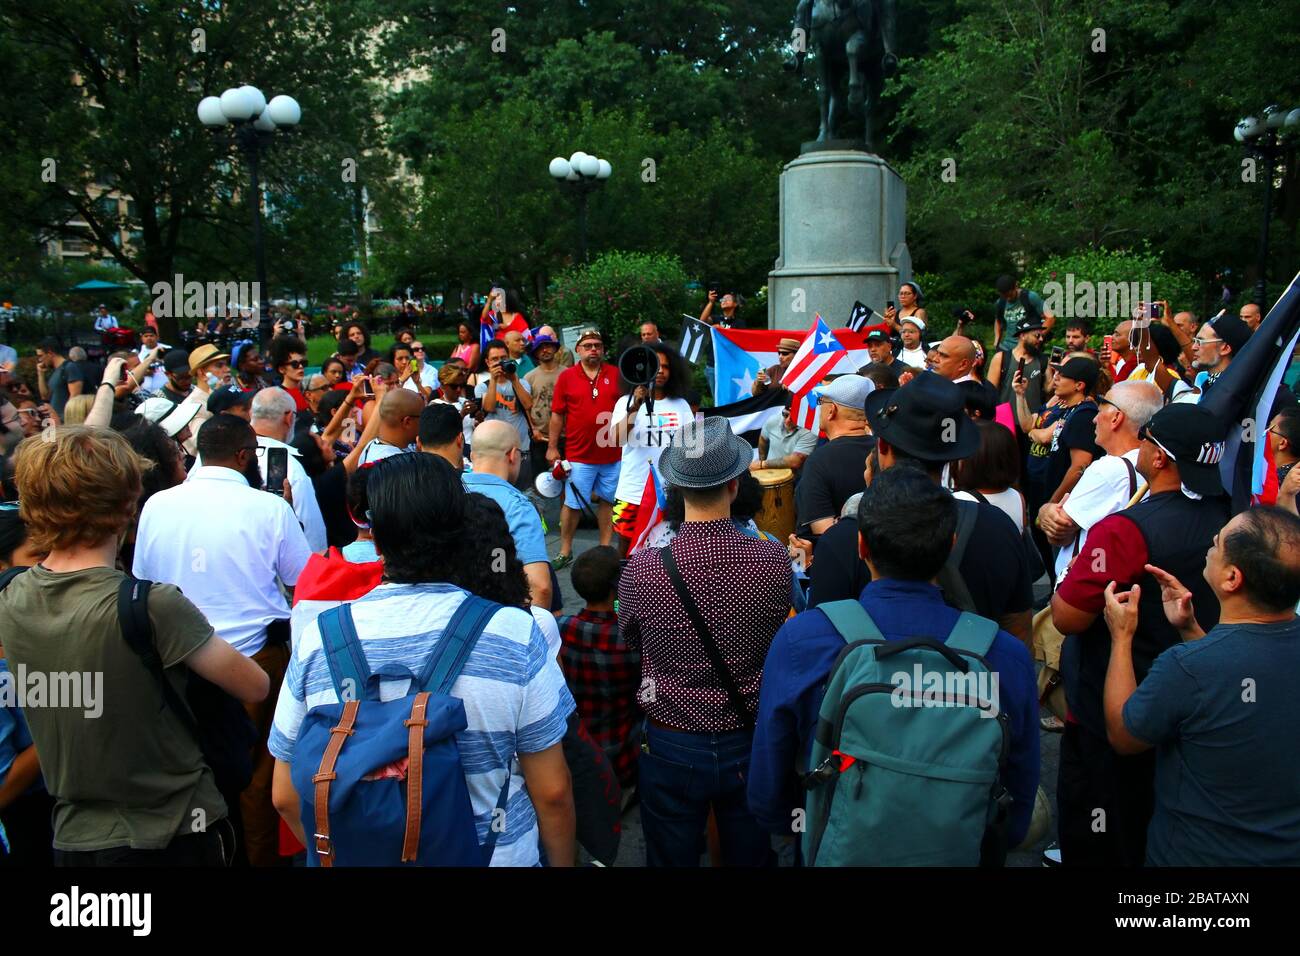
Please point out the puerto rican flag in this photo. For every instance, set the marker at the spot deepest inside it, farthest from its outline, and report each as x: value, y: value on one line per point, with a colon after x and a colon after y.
x: 739, y: 355
x: 651, y: 511
x: 820, y: 353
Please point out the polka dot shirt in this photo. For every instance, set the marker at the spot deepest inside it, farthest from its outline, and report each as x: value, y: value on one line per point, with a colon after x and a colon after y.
x: 741, y: 585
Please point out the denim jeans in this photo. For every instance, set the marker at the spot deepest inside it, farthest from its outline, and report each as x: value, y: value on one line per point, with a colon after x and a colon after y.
x: 681, y: 776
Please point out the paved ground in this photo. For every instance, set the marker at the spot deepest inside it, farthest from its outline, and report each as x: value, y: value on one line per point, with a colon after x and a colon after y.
x: 632, y: 848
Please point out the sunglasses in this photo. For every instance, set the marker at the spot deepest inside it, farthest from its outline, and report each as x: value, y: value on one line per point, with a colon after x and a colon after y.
x: 296, y: 363
x: 417, y: 348
x: 785, y: 351
x: 1107, y: 401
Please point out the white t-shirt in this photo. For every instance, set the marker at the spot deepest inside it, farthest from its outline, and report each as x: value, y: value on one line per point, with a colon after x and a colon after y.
x: 1102, y: 490
x: 912, y: 357
x: 377, y: 450
x: 1009, y: 502
x: 646, y: 440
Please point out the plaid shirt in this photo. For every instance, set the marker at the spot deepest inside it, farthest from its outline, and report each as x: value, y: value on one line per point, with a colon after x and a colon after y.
x: 604, y: 676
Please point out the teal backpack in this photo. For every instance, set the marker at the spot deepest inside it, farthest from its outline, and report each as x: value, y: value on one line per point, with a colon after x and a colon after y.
x: 909, y: 751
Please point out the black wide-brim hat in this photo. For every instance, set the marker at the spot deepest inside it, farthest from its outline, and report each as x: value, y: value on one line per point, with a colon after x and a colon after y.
x: 926, y: 419
x: 705, y: 455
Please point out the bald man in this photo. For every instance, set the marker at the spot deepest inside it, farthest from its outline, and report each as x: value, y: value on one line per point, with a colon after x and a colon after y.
x: 517, y: 346
x: 496, y: 458
x: 564, y: 357
x: 399, y: 425
x: 1251, y: 315
x: 956, y: 359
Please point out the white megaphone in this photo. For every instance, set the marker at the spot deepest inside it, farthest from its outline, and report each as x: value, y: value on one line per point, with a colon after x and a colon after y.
x: 549, y: 484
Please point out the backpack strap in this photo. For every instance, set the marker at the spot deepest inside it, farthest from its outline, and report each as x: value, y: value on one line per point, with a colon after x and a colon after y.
x: 343, y: 653
x: 851, y: 620
x: 457, y: 642
x: 950, y: 580
x: 967, y: 513
x: 8, y: 575
x: 972, y: 633
x: 137, y: 631
x: 1132, y: 476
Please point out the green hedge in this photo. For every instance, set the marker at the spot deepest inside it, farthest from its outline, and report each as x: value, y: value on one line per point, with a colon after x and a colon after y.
x: 619, y: 291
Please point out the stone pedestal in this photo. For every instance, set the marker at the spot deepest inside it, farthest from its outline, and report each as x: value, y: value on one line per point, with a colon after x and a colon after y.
x: 843, y: 238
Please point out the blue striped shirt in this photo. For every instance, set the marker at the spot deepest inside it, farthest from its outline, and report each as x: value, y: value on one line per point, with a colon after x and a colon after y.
x: 516, y: 699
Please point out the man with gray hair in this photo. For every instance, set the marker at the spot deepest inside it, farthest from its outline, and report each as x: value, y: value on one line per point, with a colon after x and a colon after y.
x: 274, y: 411
x: 1110, y: 482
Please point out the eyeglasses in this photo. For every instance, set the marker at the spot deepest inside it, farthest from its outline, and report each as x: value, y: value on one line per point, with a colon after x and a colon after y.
x: 296, y: 363
x: 1200, y: 341
x: 258, y: 450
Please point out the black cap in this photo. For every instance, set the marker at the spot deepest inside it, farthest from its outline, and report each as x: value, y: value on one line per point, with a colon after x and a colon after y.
x: 1029, y: 325
x: 176, y: 360
x: 1081, y: 369
x: 226, y: 397
x: 877, y: 335
x: 926, y: 419
x: 1232, y: 330
x: 1190, y: 435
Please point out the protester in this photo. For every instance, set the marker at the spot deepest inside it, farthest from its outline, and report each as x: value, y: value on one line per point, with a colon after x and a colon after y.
x: 771, y: 377
x: 399, y: 424
x: 909, y: 307
x: 229, y: 547
x: 1284, y: 441
x: 992, y: 473
x: 209, y: 368
x: 649, y: 332
x: 1014, y: 305
x: 129, y: 780
x: 273, y: 413
x: 497, y: 460
x: 512, y: 688
x: 921, y: 425
x: 1110, y: 482
x: 103, y: 320
x: 729, y: 304
x: 357, y: 333
x: 517, y: 346
x: 833, y: 472
x: 442, y: 433
x: 644, y: 434
x: 904, y: 533
x: 1076, y: 335
x: 782, y: 443
x: 505, y: 398
x: 1252, y: 315
x: 361, y: 550
x: 249, y: 369
x: 1172, y: 529
x: 1074, y: 445
x: 1026, y: 359
x: 603, y: 673
x: 336, y: 373
x: 702, y: 613
x: 467, y: 347
x: 581, y: 409
x: 1217, y: 707
x: 541, y: 385
x: 329, y: 482
x: 1120, y: 357
x: 289, y: 359
x: 57, y: 378
x: 909, y: 330
x: 956, y: 359
x: 1219, y: 342
x: 564, y: 356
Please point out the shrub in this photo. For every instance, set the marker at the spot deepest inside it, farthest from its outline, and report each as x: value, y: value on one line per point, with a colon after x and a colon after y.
x: 618, y: 291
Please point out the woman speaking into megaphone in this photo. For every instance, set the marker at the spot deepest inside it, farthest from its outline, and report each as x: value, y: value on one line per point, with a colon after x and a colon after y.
x: 643, y: 424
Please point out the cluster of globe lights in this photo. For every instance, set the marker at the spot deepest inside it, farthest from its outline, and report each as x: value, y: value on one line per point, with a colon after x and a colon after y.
x: 580, y: 166
x: 1274, y: 118
x: 244, y: 103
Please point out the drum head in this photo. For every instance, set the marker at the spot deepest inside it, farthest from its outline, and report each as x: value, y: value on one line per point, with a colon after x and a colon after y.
x: 769, y: 477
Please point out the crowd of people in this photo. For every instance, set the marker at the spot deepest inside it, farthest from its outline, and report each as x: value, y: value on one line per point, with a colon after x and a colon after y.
x: 281, y: 577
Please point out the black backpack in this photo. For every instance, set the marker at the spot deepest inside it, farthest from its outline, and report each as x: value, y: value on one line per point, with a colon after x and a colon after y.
x: 218, y: 722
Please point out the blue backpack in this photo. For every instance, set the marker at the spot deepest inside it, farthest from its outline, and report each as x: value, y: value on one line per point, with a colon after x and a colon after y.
x: 425, y: 819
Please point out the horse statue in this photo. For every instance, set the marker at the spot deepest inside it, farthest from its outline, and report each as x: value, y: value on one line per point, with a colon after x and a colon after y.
x: 845, y: 34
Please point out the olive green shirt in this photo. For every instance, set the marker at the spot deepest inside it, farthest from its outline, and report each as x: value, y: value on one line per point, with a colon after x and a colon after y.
x: 132, y: 773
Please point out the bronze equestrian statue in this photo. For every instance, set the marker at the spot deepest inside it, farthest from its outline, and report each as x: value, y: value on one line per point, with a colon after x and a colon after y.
x: 854, y: 40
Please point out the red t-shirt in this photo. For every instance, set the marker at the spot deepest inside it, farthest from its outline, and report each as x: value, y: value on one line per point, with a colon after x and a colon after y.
x: 588, y: 437
x: 299, y: 399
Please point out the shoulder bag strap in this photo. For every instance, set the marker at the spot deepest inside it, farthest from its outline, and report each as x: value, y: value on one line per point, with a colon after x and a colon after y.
x: 706, y: 637
x: 1132, y: 476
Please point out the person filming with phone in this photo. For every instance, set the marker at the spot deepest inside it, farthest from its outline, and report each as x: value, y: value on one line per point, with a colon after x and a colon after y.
x: 507, y: 398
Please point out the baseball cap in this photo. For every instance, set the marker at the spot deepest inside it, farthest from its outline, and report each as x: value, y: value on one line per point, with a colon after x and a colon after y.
x: 1029, y: 325
x: 1080, y: 369
x: 915, y: 320
x: 877, y: 335
x: 227, y: 397
x: 851, y: 391
x: 1190, y: 435
x: 176, y: 360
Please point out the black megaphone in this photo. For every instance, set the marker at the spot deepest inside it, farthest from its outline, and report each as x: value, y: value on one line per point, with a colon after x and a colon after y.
x: 639, y: 365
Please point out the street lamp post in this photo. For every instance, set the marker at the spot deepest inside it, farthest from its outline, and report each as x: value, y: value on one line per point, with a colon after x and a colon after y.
x: 579, y: 176
x: 1266, y: 139
x: 252, y: 122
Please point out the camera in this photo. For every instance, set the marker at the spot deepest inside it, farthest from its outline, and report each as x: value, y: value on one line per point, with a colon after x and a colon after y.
x: 509, y: 366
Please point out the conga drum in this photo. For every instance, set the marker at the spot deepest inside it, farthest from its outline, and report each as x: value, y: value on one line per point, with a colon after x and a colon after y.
x: 776, y: 517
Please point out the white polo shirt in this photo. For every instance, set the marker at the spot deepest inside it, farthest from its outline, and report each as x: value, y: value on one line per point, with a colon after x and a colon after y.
x: 225, y: 545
